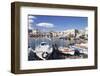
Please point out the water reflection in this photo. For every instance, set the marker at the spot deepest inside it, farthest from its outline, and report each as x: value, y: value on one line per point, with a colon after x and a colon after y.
x: 34, y: 42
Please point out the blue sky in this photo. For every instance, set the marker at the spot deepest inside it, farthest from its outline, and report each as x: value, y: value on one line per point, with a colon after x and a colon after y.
x: 58, y: 23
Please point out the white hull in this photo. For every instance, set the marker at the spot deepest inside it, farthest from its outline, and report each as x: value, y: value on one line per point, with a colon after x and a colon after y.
x: 66, y: 51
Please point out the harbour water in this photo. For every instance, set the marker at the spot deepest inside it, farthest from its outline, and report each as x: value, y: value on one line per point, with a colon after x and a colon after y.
x: 35, y: 42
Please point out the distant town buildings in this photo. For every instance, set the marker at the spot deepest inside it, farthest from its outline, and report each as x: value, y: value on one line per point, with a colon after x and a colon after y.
x: 71, y: 33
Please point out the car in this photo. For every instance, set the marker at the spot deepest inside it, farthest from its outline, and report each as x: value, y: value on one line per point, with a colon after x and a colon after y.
x: 43, y: 50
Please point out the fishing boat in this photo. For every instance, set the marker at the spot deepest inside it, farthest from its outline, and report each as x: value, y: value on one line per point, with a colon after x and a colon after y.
x: 66, y: 50
x: 43, y: 50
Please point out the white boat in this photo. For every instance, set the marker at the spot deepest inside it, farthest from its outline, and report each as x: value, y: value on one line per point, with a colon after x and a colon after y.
x: 83, y: 48
x: 66, y: 50
x: 43, y: 50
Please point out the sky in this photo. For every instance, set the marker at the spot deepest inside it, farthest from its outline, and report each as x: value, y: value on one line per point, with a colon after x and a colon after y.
x: 57, y: 23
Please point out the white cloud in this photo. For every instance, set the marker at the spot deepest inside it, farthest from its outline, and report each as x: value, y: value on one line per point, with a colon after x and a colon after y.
x: 31, y: 21
x: 86, y: 28
x: 30, y: 28
x: 31, y: 17
x: 47, y: 25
